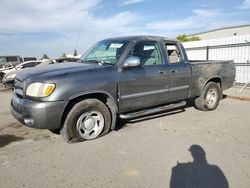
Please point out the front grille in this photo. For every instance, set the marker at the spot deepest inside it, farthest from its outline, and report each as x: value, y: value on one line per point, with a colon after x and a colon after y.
x: 18, y: 86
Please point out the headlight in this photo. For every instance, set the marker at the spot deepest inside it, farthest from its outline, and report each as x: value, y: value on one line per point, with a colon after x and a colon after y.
x: 40, y: 90
x: 11, y: 76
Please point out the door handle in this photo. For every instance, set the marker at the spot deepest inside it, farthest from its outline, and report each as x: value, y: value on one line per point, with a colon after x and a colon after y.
x: 174, y: 71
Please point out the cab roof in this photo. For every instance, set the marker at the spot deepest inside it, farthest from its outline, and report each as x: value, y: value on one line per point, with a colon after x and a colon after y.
x: 142, y: 37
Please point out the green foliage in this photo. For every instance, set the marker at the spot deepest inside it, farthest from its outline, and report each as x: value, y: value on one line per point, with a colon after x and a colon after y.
x: 75, y: 52
x: 64, y: 55
x: 45, y: 56
x: 184, y: 38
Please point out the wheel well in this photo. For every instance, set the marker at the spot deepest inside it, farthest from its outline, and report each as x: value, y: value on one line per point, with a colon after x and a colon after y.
x: 217, y: 80
x: 106, y: 99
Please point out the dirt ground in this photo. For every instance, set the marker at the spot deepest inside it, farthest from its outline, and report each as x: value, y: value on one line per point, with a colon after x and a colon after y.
x: 176, y: 149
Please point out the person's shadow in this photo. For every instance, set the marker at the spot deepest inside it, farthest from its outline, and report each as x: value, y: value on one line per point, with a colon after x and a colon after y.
x: 197, y: 174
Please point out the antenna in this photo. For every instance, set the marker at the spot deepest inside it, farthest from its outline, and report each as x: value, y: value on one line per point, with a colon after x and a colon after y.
x: 78, y: 37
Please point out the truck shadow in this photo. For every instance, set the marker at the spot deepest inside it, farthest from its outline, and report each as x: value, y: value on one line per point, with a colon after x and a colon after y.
x: 190, y: 104
x: 198, y: 173
x: 121, y: 123
x: 224, y: 97
x: 7, y: 139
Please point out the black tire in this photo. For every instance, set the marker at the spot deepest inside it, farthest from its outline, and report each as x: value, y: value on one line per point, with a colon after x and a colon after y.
x: 71, y: 131
x: 55, y: 131
x: 203, y: 103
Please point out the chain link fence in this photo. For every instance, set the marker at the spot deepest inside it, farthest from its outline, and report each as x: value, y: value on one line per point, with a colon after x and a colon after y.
x: 236, y: 48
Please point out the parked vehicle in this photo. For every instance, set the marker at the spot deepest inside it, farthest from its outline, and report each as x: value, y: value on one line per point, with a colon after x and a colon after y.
x: 8, y: 76
x: 11, y: 61
x: 29, y: 58
x: 6, y: 61
x: 60, y: 60
x: 126, y: 78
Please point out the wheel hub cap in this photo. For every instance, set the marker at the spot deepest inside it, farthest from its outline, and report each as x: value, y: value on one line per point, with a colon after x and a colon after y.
x: 211, y: 97
x: 90, y: 124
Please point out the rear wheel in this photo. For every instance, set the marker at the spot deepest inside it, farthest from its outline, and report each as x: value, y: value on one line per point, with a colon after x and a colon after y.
x: 209, y: 98
x: 87, y: 120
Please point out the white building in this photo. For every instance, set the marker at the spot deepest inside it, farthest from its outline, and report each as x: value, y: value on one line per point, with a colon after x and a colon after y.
x: 232, y: 43
x: 224, y: 32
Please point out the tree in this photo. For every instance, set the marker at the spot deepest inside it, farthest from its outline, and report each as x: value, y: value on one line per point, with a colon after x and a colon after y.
x: 185, y: 38
x: 45, y: 56
x: 64, y: 55
x: 75, y: 52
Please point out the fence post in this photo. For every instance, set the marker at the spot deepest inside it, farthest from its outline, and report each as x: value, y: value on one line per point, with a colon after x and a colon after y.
x: 207, y: 54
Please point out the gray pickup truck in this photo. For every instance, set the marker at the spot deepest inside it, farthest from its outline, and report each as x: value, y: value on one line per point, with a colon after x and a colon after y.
x: 125, y: 78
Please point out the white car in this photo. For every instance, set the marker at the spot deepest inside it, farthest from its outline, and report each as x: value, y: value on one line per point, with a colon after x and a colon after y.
x: 10, y: 74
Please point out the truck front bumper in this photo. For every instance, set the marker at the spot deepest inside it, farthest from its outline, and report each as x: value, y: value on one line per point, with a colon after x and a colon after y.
x: 41, y: 115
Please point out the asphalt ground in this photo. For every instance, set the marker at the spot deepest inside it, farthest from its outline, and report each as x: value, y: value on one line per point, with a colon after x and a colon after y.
x: 150, y: 152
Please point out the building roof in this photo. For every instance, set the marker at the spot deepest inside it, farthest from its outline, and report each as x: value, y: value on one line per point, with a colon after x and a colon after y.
x: 223, y: 28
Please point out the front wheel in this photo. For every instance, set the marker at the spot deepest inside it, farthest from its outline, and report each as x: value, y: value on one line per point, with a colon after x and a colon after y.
x: 87, y: 120
x: 209, y: 98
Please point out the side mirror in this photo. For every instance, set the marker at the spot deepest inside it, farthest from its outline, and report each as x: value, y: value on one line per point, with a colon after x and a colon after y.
x: 132, y: 61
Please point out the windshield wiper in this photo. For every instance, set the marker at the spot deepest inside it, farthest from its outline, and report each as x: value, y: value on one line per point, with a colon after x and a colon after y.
x: 100, y: 62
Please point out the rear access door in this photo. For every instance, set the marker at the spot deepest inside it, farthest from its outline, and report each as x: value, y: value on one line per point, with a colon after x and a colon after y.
x: 179, y: 71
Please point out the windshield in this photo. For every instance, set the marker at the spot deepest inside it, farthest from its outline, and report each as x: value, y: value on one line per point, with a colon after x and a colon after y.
x: 107, y: 51
x: 3, y: 60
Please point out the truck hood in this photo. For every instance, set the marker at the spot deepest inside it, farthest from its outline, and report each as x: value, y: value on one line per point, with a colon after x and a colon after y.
x: 60, y: 68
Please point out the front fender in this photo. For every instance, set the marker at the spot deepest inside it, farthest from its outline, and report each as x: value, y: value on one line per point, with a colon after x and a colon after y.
x: 111, y: 102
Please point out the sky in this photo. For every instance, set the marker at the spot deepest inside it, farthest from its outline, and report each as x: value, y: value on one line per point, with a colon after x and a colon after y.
x: 53, y: 27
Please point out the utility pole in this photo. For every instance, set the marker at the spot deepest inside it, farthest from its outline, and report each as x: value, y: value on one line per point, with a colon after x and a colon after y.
x: 77, y: 38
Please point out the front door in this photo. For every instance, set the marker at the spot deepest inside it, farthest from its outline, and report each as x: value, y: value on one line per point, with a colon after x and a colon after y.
x: 146, y: 85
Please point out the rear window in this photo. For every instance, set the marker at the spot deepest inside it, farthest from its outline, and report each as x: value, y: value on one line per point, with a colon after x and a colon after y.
x: 12, y: 59
x: 29, y: 58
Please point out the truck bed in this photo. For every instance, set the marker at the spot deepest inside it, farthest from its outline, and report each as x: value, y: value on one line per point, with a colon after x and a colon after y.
x: 203, y: 71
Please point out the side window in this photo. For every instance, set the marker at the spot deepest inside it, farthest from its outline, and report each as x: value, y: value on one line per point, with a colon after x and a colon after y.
x: 31, y: 64
x: 174, y: 54
x: 148, y: 52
